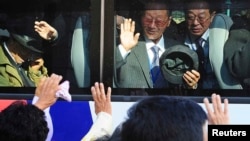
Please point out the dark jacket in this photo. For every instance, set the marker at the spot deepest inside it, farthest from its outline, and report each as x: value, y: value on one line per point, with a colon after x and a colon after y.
x: 236, y: 54
x: 10, y: 75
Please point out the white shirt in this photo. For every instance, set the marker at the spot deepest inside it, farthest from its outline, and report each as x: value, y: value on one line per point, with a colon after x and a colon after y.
x: 47, y: 118
x: 101, y: 127
x: 150, y: 44
x: 192, y: 45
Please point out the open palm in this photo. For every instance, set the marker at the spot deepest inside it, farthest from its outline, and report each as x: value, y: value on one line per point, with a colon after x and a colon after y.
x: 127, y: 37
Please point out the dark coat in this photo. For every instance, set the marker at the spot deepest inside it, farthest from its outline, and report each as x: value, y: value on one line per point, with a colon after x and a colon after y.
x: 237, y: 54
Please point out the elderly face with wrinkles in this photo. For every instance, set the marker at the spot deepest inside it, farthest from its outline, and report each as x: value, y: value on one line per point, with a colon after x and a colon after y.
x: 155, y: 20
x: 198, y: 17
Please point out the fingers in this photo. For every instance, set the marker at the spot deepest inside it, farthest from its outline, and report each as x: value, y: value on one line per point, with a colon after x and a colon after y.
x: 45, y: 30
x: 109, y: 94
x: 137, y: 35
x: 226, y: 111
x: 218, y: 105
x: 93, y: 92
x: 102, y: 94
x: 47, y: 89
x: 128, y: 25
x: 41, y: 24
x: 98, y: 91
x: 217, y: 114
x: 132, y: 27
x: 207, y: 105
x: 196, y: 73
x: 51, y: 85
x: 191, y: 77
x: 102, y: 100
x: 121, y: 28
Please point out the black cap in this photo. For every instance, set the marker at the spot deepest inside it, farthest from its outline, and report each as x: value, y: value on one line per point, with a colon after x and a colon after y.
x: 28, y: 42
x: 22, y: 30
x: 176, y: 60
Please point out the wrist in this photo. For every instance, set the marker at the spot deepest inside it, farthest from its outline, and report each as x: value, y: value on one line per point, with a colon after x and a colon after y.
x: 193, y: 87
x: 40, y: 105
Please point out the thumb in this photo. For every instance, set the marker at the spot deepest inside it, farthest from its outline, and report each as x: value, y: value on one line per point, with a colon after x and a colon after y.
x: 137, y: 35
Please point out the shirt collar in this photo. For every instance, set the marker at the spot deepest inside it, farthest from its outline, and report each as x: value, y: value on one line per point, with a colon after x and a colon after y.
x: 150, y: 43
x: 205, y: 35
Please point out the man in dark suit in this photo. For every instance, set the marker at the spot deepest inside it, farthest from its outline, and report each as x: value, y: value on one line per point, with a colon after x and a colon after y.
x: 137, y: 55
x: 207, y: 32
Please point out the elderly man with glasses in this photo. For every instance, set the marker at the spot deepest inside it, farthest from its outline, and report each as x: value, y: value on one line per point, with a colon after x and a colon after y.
x: 199, y: 15
x: 137, y: 56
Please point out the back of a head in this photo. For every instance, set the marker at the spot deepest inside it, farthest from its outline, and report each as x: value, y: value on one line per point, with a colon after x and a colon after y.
x: 22, y: 122
x: 164, y: 118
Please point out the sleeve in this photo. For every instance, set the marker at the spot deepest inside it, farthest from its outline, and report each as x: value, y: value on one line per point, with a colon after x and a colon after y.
x: 48, y: 119
x: 100, y: 128
x: 236, y: 52
x: 123, y: 52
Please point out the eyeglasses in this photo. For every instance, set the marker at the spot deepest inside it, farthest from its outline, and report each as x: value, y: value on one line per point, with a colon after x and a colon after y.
x: 201, y: 20
x: 158, y: 23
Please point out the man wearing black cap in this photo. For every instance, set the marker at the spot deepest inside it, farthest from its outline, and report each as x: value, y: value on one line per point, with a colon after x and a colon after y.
x: 137, y: 59
x: 21, y: 63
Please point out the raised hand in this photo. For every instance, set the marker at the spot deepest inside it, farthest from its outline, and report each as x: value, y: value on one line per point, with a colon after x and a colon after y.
x: 127, y: 37
x: 46, y: 91
x: 45, y: 30
x: 217, y: 114
x: 102, y: 100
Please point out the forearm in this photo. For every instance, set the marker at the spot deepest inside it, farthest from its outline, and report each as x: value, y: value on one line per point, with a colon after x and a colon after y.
x: 101, y: 127
x: 47, y: 116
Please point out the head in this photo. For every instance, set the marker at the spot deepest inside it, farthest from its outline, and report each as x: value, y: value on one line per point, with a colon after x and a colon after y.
x: 199, y: 16
x: 21, y: 53
x: 155, y: 18
x: 22, y: 122
x: 164, y: 118
x: 24, y: 43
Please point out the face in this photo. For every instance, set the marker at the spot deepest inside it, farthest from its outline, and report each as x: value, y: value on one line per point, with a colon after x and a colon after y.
x: 20, y: 53
x: 198, y: 21
x: 154, y: 23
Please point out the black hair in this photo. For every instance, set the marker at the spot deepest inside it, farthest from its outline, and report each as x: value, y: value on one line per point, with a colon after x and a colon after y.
x: 162, y: 118
x: 211, y: 5
x: 23, y: 122
x: 166, y: 5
